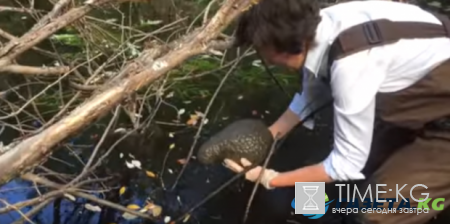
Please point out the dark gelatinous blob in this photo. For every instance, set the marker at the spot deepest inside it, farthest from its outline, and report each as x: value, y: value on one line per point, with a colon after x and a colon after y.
x: 247, y: 138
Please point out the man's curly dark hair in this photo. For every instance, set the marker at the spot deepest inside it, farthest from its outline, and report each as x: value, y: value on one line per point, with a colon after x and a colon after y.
x: 281, y: 24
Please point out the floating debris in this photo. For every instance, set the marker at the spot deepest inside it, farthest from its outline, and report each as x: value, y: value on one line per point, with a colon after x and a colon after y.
x: 181, y: 111
x: 70, y: 197
x: 133, y: 164
x: 170, y: 95
x: 150, y: 174
x: 93, y: 208
x: 120, y: 130
x: 122, y: 190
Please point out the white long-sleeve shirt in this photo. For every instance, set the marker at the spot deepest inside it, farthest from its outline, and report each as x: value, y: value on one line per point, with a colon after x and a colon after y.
x: 356, y: 79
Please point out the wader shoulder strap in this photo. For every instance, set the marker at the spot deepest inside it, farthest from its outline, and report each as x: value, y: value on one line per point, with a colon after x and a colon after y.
x: 380, y: 32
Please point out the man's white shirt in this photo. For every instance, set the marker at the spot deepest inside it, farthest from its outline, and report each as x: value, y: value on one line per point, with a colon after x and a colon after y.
x: 356, y: 79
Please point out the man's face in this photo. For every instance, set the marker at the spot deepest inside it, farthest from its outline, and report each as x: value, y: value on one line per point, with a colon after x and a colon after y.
x: 292, y: 61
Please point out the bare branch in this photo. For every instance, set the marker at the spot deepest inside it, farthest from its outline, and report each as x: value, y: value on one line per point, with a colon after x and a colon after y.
x: 13, y: 9
x: 75, y: 192
x: 139, y: 73
x: 31, y: 70
x: 27, y: 41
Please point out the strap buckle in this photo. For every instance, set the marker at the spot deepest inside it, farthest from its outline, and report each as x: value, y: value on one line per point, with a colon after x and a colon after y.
x: 372, y: 33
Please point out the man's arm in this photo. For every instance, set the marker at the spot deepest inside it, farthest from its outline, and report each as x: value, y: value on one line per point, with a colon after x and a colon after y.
x: 355, y: 82
x: 284, y: 124
x: 315, y: 94
x: 353, y: 137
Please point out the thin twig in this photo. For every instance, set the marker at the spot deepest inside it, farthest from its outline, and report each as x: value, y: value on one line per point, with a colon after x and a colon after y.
x: 17, y: 210
x: 97, y: 147
x: 33, y: 211
x: 255, y: 188
x: 214, y: 193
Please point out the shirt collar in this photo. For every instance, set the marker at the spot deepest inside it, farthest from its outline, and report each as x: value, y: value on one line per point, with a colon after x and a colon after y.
x: 323, y: 39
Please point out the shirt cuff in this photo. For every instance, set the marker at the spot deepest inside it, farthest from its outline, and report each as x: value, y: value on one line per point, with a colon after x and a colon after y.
x: 339, y: 168
x: 300, y: 108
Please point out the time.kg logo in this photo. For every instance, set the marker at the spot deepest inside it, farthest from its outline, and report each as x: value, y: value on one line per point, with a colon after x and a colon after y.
x: 311, y: 199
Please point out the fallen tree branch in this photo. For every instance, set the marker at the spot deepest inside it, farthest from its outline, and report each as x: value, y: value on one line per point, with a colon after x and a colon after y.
x: 11, y: 37
x: 31, y: 70
x: 143, y: 71
x: 14, y: 48
x: 14, y: 9
x: 57, y: 9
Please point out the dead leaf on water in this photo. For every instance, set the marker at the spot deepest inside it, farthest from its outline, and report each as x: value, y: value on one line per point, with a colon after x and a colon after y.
x: 122, y: 190
x: 193, y: 120
x: 93, y: 208
x: 155, y: 210
x: 186, y: 218
x: 150, y: 174
x: 170, y: 95
x: 129, y: 165
x: 133, y: 206
x: 200, y: 114
x: 181, y: 111
x: 128, y: 216
x: 120, y: 130
x: 172, y: 146
x: 133, y: 164
x: 70, y: 197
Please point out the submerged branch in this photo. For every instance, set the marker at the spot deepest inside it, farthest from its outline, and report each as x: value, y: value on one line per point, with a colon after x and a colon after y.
x: 75, y: 192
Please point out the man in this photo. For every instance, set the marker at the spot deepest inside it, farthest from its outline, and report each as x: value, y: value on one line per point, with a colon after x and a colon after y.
x: 370, y: 75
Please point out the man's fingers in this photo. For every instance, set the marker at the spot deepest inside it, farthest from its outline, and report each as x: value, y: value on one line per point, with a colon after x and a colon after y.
x: 233, y: 165
x: 245, y: 162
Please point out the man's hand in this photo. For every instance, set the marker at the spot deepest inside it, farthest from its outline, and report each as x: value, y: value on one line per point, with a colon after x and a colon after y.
x: 253, y: 174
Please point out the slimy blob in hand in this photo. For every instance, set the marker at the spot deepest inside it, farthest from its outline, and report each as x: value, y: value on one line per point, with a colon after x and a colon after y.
x: 247, y: 138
